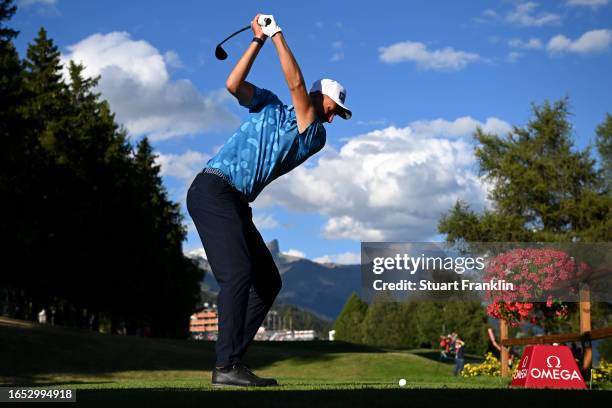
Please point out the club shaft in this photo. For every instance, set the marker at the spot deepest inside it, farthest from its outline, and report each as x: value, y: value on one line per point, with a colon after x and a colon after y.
x: 237, y: 32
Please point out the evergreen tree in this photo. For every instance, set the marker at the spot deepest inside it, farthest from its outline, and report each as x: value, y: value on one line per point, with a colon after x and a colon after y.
x: 88, y: 229
x: 543, y: 189
x: 390, y: 323
x: 13, y: 154
x: 43, y: 80
x: 604, y: 148
x: 173, y: 278
x: 7, y: 10
x: 348, y: 325
x: 10, y: 66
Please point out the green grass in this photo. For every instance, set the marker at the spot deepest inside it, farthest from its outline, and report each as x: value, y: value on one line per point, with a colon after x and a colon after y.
x: 107, y: 369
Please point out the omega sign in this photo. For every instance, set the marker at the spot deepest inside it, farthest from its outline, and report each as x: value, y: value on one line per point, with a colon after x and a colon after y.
x: 547, y: 367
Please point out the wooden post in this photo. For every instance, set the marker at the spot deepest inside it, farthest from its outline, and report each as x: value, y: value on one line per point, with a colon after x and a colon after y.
x: 503, y: 334
x: 585, y: 326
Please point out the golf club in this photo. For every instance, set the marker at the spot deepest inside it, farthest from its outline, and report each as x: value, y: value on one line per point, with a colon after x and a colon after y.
x: 220, y: 52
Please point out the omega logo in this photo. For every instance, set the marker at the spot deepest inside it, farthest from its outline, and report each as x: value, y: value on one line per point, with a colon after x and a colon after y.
x: 553, y: 357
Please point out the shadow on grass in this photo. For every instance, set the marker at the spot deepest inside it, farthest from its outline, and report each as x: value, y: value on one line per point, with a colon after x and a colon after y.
x: 264, y: 353
x: 358, y: 397
x: 18, y: 382
x: 28, y: 353
x: 436, y: 356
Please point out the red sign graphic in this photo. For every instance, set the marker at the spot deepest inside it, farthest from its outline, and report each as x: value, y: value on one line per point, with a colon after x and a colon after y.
x: 548, y: 367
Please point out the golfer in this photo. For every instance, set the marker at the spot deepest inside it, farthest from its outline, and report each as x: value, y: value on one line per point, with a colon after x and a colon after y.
x: 273, y: 141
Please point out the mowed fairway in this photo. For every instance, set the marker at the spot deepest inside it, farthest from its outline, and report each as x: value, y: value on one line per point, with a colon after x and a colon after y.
x: 110, y: 369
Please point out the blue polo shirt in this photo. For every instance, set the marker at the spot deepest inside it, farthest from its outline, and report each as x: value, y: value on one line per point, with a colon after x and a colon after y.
x: 267, y: 145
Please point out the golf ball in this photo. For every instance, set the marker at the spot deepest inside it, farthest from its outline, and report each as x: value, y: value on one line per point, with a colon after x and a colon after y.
x: 402, y: 382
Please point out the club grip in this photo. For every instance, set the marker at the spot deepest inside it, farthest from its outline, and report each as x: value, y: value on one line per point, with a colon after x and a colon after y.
x: 267, y: 21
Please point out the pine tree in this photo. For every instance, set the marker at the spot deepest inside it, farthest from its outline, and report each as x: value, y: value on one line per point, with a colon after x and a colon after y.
x: 45, y: 187
x: 87, y: 218
x: 543, y: 188
x: 13, y: 158
x: 604, y: 148
x: 390, y: 323
x: 48, y: 92
x: 11, y: 98
x: 88, y: 225
x: 348, y: 325
x: 173, y: 279
x: 10, y: 65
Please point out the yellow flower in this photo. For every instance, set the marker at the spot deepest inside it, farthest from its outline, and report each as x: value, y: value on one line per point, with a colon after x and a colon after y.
x: 603, y: 373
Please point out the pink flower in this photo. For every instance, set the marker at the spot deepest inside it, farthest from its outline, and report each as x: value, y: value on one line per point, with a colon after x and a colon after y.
x: 532, y: 271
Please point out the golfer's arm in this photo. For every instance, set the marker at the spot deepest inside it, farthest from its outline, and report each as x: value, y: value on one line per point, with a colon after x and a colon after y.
x: 236, y: 84
x: 304, y: 111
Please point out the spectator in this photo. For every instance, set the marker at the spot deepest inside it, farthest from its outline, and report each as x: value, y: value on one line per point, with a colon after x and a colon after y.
x: 511, y: 355
x: 443, y: 346
x: 451, y: 343
x: 42, y: 317
x: 576, y: 352
x: 459, y: 356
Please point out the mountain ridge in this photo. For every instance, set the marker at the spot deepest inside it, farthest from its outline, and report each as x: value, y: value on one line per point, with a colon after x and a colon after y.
x: 321, y: 288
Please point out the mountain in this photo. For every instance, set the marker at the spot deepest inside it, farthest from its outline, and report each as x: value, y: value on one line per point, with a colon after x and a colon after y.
x: 319, y: 288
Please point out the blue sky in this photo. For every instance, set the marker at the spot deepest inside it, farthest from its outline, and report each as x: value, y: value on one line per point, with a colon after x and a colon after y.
x: 420, y: 76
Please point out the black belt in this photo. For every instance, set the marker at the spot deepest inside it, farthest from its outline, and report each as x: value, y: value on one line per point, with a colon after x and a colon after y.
x: 224, y: 177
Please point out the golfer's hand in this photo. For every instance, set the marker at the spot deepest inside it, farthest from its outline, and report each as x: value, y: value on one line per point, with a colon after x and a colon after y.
x: 271, y: 28
x: 257, y: 31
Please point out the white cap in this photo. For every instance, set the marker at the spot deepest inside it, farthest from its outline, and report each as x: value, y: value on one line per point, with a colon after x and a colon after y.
x: 335, y: 91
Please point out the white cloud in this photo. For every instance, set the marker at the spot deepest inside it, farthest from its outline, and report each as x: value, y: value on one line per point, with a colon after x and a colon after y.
x: 590, y: 42
x: 446, y: 59
x: 295, y: 252
x: 514, y: 56
x: 531, y: 44
x: 345, y: 258
x: 337, y: 56
x: 197, y: 252
x: 337, y: 44
x: 489, y: 13
x: 524, y: 15
x: 459, y: 127
x: 389, y: 184
x: 24, y: 3
x: 172, y: 59
x: 373, y: 122
x: 136, y: 82
x: 183, y: 166
x: 265, y: 221
x: 44, y: 8
x: 588, y: 3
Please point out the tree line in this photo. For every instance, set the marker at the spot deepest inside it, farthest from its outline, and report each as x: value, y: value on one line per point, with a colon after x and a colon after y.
x: 412, y: 324
x: 87, y: 229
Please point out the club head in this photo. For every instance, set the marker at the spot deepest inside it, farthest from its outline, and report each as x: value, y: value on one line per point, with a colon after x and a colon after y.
x: 220, y: 53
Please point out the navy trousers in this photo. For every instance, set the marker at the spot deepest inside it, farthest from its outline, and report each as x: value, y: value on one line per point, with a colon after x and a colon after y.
x: 240, y: 261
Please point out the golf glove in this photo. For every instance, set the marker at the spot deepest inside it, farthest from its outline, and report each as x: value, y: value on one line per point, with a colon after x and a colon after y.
x: 270, y: 29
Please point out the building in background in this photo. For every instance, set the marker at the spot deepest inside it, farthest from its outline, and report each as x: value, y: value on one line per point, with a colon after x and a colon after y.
x: 204, y: 324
